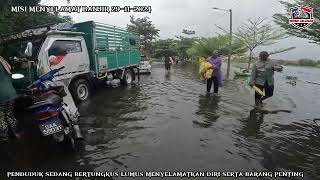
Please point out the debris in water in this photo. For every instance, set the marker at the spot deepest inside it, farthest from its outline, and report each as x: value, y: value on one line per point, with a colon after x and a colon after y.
x: 90, y: 131
x: 291, y: 77
x: 292, y: 80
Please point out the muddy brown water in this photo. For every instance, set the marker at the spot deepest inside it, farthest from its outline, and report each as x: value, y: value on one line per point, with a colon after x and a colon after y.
x: 168, y: 123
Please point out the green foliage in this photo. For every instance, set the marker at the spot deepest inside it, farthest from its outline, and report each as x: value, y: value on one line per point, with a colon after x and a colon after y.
x: 16, y: 22
x: 240, y: 59
x: 145, y: 28
x: 307, y: 62
x: 162, y: 47
x: 313, y: 32
x: 218, y: 45
x: 173, y: 47
x: 182, y: 45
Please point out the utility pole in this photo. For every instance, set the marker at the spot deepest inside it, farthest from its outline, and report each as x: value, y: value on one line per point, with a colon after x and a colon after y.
x: 230, y: 40
x: 230, y: 44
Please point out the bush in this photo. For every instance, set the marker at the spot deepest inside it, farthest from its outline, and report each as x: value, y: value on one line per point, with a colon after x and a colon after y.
x: 240, y: 59
x: 307, y: 62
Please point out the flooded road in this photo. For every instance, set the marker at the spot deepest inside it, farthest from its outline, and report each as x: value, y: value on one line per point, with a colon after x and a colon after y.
x: 168, y: 123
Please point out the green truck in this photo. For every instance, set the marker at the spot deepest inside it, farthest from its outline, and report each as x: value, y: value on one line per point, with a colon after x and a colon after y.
x: 90, y: 52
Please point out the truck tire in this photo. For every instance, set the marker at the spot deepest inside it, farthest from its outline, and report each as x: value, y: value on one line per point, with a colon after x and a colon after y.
x: 128, y: 77
x: 81, y: 90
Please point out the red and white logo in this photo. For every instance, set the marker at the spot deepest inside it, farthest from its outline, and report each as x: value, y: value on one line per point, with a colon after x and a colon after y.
x: 301, y: 16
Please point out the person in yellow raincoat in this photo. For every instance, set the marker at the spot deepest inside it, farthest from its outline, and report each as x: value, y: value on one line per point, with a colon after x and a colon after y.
x: 205, y: 69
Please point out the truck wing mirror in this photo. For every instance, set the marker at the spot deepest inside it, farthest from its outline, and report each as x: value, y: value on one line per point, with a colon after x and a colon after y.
x: 28, y: 51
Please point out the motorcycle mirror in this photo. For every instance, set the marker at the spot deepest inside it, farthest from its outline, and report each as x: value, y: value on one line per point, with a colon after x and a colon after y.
x: 28, y: 51
x: 52, y: 58
x: 17, y: 76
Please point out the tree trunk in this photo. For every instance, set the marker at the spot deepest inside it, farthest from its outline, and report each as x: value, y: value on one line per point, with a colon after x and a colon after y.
x: 250, y: 57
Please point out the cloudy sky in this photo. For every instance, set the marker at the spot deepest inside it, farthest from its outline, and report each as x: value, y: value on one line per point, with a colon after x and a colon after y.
x: 172, y: 16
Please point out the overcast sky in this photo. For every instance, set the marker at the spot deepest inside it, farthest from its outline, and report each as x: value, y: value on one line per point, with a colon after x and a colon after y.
x: 172, y: 16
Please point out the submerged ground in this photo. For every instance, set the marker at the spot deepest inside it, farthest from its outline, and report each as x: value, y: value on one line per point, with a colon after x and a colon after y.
x: 168, y: 123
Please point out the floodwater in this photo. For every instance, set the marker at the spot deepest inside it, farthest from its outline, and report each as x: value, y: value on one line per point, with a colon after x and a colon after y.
x: 168, y: 123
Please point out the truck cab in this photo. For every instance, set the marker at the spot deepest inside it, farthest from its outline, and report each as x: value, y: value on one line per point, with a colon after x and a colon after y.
x: 89, y: 51
x: 69, y: 49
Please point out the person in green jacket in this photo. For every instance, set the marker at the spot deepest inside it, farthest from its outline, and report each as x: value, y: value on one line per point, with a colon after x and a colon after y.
x: 7, y: 96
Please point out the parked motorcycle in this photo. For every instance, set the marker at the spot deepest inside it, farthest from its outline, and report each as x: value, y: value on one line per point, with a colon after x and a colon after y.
x: 54, y: 110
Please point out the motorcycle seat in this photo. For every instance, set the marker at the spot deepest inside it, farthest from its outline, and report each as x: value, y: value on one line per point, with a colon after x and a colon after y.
x: 44, y: 95
x: 52, y: 99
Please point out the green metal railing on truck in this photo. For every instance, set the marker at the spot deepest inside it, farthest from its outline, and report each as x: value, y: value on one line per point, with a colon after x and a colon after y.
x: 120, y: 48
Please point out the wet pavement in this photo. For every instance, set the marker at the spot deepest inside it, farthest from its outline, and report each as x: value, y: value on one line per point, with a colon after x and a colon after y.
x: 168, y: 123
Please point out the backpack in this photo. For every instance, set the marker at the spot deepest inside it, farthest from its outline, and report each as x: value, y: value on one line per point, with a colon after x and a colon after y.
x: 167, y: 60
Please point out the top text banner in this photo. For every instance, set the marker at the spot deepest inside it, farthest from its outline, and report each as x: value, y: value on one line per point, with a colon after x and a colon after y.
x: 79, y: 9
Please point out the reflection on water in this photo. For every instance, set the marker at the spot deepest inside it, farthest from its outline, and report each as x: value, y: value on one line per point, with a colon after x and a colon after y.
x: 167, y: 122
x: 208, y: 105
x: 252, y: 123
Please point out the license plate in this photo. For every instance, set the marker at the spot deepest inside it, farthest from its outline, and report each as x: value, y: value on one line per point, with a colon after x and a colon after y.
x: 51, y: 127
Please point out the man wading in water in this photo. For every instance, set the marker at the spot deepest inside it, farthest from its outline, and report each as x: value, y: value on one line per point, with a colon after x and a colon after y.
x: 262, y: 77
x: 168, y: 61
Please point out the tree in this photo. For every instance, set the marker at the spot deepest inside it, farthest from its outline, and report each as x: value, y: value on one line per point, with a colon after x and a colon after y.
x: 181, y: 45
x: 215, y: 45
x: 145, y: 28
x: 16, y: 22
x: 255, y: 32
x: 173, y: 47
x: 313, y: 32
x: 162, y: 47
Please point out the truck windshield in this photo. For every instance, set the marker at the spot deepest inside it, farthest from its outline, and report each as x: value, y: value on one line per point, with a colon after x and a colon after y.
x: 17, y: 48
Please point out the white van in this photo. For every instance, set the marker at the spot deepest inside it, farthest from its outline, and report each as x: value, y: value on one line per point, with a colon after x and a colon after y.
x: 144, y: 66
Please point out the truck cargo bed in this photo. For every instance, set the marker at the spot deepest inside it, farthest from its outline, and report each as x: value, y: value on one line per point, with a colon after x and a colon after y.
x: 110, y: 47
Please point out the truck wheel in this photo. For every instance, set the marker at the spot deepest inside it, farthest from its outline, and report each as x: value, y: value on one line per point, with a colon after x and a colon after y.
x: 128, y: 77
x: 80, y: 90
